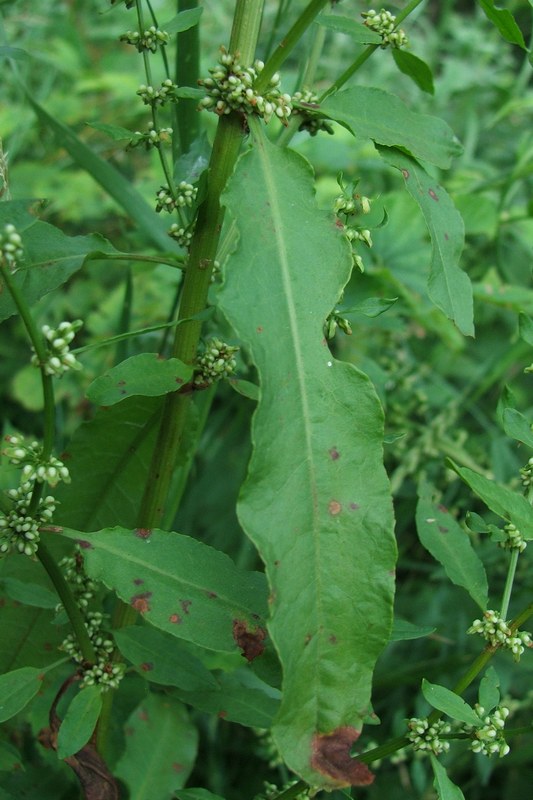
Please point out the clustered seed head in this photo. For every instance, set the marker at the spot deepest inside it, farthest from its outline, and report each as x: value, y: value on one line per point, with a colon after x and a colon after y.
x: 150, y: 39
x: 495, y: 630
x: 426, y: 737
x: 217, y: 362
x: 231, y: 88
x: 83, y: 588
x: 527, y: 474
x: 19, y: 531
x: 183, y: 236
x: 59, y: 360
x: 157, y: 97
x: 10, y: 247
x: 152, y: 138
x: 514, y: 540
x: 103, y: 672
x: 305, y: 106
x: 30, y: 457
x: 488, y: 738
x: 382, y: 22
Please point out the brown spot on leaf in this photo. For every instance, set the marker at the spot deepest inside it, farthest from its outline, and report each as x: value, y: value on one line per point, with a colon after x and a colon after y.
x: 249, y: 641
x: 334, y: 508
x: 138, y: 581
x: 442, y: 529
x: 212, y: 595
x: 147, y: 666
x: 331, y: 757
x: 177, y: 767
x: 121, y: 383
x: 140, y: 602
x: 179, y: 380
x: 332, y: 639
x: 259, y: 329
x: 334, y: 454
x: 175, y: 619
x: 84, y: 544
x: 186, y: 604
x: 443, y: 509
x: 277, y: 563
x: 433, y: 195
x: 222, y: 714
x: 446, y: 236
x: 405, y: 173
x: 143, y: 533
x: 354, y: 506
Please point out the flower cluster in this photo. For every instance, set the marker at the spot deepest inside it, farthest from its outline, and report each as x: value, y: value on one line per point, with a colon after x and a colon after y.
x: 383, y: 23
x: 348, y: 205
x: 217, y: 362
x: 82, y: 586
x: 103, y: 672
x: 527, y: 474
x: 150, y: 39
x: 488, y: 738
x: 334, y: 321
x: 497, y: 632
x: 19, y: 530
x: 231, y: 88
x: 514, y: 539
x: 152, y: 138
x: 183, y: 236
x: 57, y: 340
x: 306, y: 106
x: 426, y: 737
x: 167, y: 200
x: 10, y: 247
x: 157, y: 97
x: 30, y: 457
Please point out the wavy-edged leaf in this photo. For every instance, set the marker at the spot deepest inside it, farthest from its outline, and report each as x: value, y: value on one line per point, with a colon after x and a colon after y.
x: 79, y: 722
x: 508, y: 505
x: 180, y: 585
x: 146, y: 374
x: 444, y: 538
x: 375, y: 114
x: 354, y: 29
x: 448, y: 286
x: 316, y: 501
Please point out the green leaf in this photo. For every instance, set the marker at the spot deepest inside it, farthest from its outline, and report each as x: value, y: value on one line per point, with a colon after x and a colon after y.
x: 183, y: 21
x: 178, y: 584
x: 28, y: 636
x: 197, y: 794
x: 444, y: 538
x: 504, y: 22
x: 384, y: 118
x: 414, y: 68
x: 371, y: 307
x: 489, y: 690
x: 240, y: 697
x: 446, y: 790
x: 13, y: 52
x: 516, y: 426
x: 146, y: 374
x: 190, y: 93
x: 10, y: 758
x: 115, y: 132
x: 17, y: 688
x: 316, y: 501
x: 108, y: 460
x: 109, y: 178
x: 355, y: 30
x: 79, y: 721
x: 161, y: 658
x: 450, y: 703
x: 448, y: 286
x: 403, y: 630
x: 525, y: 327
x: 245, y: 388
x: 31, y: 594
x: 507, y: 504
x: 160, y: 749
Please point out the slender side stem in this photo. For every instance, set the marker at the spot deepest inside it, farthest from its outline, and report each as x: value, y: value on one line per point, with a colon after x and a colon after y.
x: 185, y: 115
x: 179, y: 262
x: 288, y: 43
x: 509, y: 583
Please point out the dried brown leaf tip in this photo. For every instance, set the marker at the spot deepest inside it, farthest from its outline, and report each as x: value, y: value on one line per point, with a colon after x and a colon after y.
x: 331, y: 757
x: 250, y: 641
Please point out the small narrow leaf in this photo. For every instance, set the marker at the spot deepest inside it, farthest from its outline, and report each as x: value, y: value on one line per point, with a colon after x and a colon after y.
x: 525, y: 327
x: 507, y: 504
x: 403, y: 630
x: 10, y: 758
x: 516, y: 426
x: 355, y: 30
x: 384, y: 118
x: 448, y: 286
x: 414, y: 68
x: 146, y: 374
x: 450, y: 703
x: 79, y: 721
x: 444, y: 538
x: 446, y: 790
x: 31, y: 594
x: 161, y: 658
x: 115, y: 132
x: 183, y: 21
x: 180, y: 585
x: 504, y: 22
x: 17, y: 688
x: 245, y: 388
x: 489, y: 690
x: 371, y: 307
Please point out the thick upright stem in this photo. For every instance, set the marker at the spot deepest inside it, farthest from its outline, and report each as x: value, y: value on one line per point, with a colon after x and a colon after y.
x: 185, y: 114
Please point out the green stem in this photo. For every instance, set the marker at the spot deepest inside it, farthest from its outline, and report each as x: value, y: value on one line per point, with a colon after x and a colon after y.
x: 186, y: 120
x: 69, y: 603
x: 509, y: 583
x: 288, y: 43
x: 179, y: 262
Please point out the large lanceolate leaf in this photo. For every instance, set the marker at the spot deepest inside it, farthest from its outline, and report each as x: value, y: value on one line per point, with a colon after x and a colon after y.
x: 146, y: 374
x: 316, y: 501
x: 181, y: 586
x: 448, y: 286
x: 380, y: 116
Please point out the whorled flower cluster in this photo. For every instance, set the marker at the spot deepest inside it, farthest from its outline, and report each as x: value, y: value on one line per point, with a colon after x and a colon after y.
x: 10, y: 247
x: 150, y: 39
x: 217, y: 362
x: 489, y: 738
x: 103, y: 672
x: 152, y: 138
x: 82, y: 586
x: 349, y: 205
x: 383, y: 23
x: 19, y: 530
x: 231, y: 88
x: 168, y: 200
x: 526, y: 474
x: 495, y: 630
x: 181, y: 235
x: 59, y: 359
x: 305, y: 107
x: 157, y: 97
x: 34, y: 467
x: 427, y: 738
x: 514, y: 539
